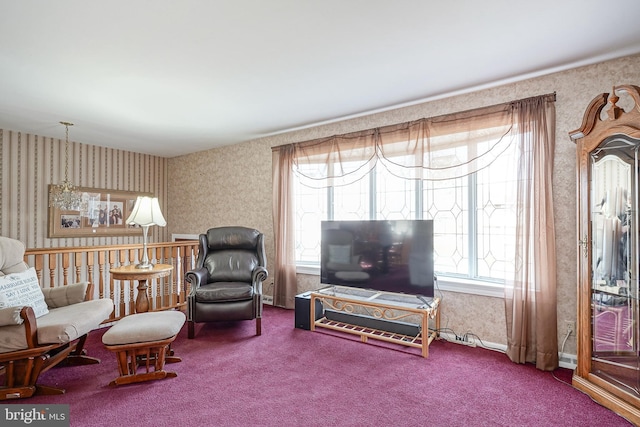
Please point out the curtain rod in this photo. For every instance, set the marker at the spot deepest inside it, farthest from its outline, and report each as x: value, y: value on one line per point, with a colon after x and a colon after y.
x: 551, y: 97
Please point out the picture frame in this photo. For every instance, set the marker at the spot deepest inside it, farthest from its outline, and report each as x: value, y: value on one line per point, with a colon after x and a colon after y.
x: 104, y: 214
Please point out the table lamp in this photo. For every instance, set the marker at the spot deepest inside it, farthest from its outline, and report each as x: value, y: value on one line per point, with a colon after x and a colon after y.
x: 146, y: 212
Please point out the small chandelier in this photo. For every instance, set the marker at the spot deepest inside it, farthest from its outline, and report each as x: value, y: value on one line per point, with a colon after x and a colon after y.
x: 65, y: 196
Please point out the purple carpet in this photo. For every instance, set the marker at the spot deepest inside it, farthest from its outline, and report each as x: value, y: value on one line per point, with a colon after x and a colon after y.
x: 292, y: 377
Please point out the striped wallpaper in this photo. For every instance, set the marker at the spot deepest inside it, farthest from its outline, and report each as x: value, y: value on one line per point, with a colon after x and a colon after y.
x: 29, y: 163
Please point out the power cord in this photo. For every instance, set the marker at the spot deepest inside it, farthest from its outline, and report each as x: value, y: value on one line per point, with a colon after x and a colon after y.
x: 437, y: 288
x: 564, y: 341
x: 482, y: 344
x: 569, y: 332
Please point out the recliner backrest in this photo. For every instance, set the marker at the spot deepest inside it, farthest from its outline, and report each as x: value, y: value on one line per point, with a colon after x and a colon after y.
x: 231, y: 265
x: 230, y: 254
x: 222, y: 238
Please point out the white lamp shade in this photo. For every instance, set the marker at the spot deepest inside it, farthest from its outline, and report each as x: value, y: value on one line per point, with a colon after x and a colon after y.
x: 146, y: 212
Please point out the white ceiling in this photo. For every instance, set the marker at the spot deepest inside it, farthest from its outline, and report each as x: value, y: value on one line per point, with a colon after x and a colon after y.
x: 170, y: 77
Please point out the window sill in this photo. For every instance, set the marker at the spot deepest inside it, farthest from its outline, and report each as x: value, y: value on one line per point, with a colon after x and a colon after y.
x: 474, y: 287
x: 449, y: 284
x: 310, y: 269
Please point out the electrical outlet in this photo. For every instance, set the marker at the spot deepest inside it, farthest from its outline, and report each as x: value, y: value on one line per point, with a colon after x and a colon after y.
x: 570, y: 327
x: 464, y: 340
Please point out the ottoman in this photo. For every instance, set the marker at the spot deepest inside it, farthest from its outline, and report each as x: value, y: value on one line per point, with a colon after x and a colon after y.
x: 142, y: 342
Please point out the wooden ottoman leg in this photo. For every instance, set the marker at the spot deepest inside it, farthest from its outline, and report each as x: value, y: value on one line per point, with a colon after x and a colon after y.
x: 147, y: 357
x: 171, y: 357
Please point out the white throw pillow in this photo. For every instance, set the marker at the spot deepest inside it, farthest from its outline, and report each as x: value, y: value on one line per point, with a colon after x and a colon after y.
x: 22, y: 289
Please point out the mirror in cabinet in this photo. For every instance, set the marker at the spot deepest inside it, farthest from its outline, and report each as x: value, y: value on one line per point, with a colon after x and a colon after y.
x: 614, y: 229
x: 608, y: 154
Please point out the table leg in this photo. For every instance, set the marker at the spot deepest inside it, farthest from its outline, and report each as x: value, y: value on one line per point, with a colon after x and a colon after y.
x: 426, y: 335
x: 142, y: 301
x: 312, y: 314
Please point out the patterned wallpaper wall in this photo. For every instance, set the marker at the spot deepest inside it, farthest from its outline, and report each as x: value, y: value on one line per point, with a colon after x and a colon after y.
x: 232, y: 185
x: 29, y: 163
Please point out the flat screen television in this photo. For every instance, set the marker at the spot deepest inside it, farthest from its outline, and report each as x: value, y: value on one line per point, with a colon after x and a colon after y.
x: 385, y: 255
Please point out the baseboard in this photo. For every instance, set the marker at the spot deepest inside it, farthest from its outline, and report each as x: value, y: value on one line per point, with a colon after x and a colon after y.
x: 566, y: 360
x: 267, y: 299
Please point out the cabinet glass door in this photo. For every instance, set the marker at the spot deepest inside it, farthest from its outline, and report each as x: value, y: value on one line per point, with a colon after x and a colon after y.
x: 614, y: 262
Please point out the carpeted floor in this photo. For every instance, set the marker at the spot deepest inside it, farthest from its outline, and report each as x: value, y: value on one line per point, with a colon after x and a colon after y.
x: 293, y: 377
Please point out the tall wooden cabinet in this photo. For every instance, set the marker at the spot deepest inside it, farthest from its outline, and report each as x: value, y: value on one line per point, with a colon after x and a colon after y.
x: 608, y: 173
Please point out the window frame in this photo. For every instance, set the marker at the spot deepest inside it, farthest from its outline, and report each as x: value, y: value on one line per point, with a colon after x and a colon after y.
x: 452, y: 283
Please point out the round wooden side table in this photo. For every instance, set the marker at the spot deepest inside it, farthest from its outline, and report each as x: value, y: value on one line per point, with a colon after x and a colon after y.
x: 142, y: 275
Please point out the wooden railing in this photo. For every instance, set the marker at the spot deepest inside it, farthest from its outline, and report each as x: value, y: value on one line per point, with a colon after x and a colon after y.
x: 63, y: 266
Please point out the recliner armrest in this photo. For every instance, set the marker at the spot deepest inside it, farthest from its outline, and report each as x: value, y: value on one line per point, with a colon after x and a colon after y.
x: 62, y: 296
x: 259, y: 275
x: 197, y: 277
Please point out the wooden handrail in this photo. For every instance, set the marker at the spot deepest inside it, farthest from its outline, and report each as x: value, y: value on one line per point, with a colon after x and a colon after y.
x: 65, y: 265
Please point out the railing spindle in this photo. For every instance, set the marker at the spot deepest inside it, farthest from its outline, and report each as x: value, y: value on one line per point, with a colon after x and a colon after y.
x: 52, y: 269
x: 65, y: 269
x: 101, y: 261
x: 77, y: 265
x: 90, y: 263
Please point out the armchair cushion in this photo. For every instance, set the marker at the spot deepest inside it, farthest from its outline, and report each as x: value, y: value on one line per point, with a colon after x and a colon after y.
x: 61, y: 296
x: 224, y: 292
x: 22, y: 289
x: 60, y: 325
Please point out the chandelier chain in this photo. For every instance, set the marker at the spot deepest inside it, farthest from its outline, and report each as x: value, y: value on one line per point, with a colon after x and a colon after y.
x: 66, y: 152
x: 65, y: 196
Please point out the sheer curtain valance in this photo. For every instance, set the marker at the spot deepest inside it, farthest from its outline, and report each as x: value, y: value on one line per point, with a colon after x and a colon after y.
x: 438, y: 148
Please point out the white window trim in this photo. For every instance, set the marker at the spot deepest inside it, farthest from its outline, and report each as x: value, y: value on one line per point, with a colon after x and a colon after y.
x: 466, y: 286
x: 310, y: 269
x: 449, y: 284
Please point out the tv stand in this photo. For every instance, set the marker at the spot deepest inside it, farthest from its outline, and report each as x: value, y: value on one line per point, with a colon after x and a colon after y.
x: 386, y: 316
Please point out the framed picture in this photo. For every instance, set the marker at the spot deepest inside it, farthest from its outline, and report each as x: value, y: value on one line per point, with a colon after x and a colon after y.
x: 103, y: 213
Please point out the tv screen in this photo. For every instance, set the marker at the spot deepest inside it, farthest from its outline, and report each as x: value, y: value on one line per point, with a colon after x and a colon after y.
x: 385, y: 255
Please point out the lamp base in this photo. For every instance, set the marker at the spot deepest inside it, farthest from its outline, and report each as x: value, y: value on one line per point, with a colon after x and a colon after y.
x: 147, y: 266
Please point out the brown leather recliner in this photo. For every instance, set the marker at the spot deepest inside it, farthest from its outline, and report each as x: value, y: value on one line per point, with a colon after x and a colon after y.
x: 227, y: 281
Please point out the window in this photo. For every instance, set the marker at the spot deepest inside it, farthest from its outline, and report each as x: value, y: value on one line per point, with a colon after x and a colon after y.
x: 484, y: 175
x: 473, y: 215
